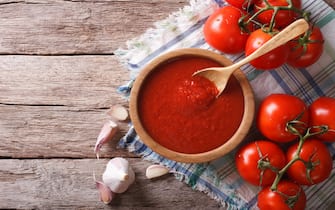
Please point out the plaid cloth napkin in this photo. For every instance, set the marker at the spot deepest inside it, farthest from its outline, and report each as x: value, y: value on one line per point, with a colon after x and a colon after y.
x: 219, y: 178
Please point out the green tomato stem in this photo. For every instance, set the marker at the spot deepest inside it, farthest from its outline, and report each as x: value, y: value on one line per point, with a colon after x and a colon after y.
x: 275, y: 9
x: 302, y: 139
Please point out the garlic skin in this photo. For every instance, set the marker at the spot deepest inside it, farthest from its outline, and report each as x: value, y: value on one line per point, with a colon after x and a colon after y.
x: 107, y: 132
x: 106, y: 195
x: 118, y: 175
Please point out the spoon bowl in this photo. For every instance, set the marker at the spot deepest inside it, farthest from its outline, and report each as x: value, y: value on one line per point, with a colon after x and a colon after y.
x: 220, y: 75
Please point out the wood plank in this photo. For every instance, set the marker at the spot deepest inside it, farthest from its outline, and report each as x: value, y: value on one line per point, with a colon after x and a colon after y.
x: 54, y: 106
x: 53, y: 131
x: 331, y: 3
x: 68, y: 184
x: 76, y: 27
x: 81, y: 81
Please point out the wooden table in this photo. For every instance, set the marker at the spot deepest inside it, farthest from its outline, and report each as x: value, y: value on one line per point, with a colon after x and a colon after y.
x: 58, y: 77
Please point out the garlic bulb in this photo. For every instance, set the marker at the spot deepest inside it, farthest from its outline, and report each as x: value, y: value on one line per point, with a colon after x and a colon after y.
x: 118, y: 175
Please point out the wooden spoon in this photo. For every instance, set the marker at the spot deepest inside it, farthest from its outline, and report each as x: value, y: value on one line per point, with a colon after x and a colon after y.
x: 220, y: 75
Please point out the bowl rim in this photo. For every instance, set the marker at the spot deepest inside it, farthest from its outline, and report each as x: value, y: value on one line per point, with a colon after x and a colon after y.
x: 229, y: 145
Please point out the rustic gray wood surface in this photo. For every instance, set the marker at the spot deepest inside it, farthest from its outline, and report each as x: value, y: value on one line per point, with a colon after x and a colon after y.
x: 58, y: 78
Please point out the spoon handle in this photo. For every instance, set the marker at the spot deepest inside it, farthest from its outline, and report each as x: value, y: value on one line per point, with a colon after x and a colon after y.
x: 293, y: 30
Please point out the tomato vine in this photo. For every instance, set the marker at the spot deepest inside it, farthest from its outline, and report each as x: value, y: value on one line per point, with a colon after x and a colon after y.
x: 245, y: 20
x: 299, y: 158
x: 302, y: 138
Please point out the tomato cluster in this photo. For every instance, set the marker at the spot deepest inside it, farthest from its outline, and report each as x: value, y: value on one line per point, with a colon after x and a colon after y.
x: 245, y: 25
x: 293, y: 152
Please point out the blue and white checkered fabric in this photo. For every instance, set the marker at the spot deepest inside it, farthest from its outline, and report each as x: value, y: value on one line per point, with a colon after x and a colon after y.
x: 183, y: 29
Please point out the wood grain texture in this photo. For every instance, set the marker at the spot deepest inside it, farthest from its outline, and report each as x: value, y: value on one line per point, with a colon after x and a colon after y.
x: 54, y: 106
x: 76, y: 27
x: 331, y: 3
x: 76, y: 81
x: 53, y: 131
x: 58, y: 77
x: 69, y: 184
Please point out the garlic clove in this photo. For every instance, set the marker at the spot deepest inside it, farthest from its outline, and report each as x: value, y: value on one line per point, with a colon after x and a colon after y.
x: 118, y: 175
x: 118, y: 112
x: 154, y: 171
x: 106, y: 195
x: 106, y: 134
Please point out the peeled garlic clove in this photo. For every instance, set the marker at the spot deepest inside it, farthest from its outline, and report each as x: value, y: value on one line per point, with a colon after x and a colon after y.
x: 106, y: 134
x: 118, y: 112
x: 118, y: 175
x: 106, y: 195
x: 154, y: 171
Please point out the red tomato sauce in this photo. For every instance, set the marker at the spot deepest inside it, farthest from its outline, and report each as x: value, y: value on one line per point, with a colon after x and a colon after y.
x: 182, y: 113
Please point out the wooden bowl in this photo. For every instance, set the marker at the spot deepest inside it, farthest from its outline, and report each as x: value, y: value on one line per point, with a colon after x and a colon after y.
x: 239, y: 134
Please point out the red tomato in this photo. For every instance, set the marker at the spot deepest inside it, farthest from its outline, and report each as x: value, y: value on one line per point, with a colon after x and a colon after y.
x: 241, y: 4
x: 283, y: 18
x: 288, y: 196
x: 307, y: 49
x: 273, y: 59
x: 276, y: 111
x: 252, y: 162
x: 322, y: 112
x: 222, y: 31
x: 315, y: 165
